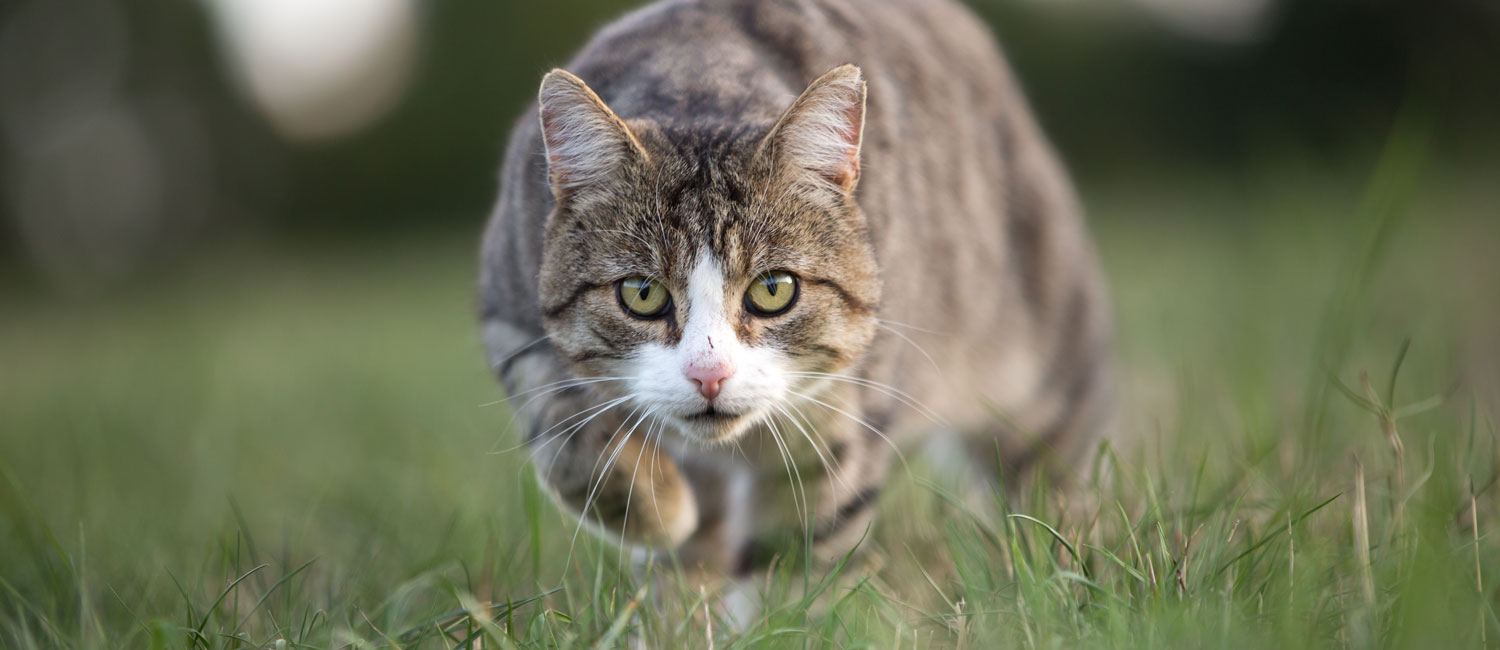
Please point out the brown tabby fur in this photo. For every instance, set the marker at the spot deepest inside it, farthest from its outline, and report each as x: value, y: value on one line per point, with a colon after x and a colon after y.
x: 955, y: 285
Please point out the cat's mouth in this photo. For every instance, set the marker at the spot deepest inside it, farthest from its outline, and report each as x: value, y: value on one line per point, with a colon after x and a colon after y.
x: 712, y: 414
x: 714, y: 424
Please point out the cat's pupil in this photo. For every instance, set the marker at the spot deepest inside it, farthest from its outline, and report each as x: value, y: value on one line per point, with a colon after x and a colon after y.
x: 644, y: 291
x: 771, y: 285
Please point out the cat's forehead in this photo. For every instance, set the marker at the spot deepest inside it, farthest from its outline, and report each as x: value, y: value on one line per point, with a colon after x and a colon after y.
x: 705, y: 168
x: 702, y: 192
x: 727, y: 220
x: 703, y: 197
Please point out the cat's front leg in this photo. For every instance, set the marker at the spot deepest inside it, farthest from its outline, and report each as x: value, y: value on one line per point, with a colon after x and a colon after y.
x: 615, y: 480
x: 827, y: 487
x: 602, y: 460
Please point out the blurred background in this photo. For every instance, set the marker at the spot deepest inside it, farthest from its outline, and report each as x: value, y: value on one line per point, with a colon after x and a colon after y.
x: 237, y: 263
x: 136, y: 133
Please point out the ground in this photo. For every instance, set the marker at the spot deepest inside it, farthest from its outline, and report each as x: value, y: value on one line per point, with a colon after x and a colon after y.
x: 301, y: 445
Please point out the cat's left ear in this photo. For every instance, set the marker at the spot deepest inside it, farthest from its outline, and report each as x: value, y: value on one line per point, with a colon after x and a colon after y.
x: 819, y: 135
x: 588, y: 146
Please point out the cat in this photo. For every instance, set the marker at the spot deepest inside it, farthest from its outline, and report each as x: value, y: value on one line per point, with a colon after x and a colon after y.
x: 745, y: 251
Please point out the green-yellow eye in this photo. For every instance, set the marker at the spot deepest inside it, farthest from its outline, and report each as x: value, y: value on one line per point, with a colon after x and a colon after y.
x: 643, y: 297
x: 771, y: 293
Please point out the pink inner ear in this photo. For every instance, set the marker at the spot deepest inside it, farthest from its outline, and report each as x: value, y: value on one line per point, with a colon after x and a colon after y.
x: 552, y: 135
x: 825, y: 129
x: 586, y: 144
x: 854, y: 116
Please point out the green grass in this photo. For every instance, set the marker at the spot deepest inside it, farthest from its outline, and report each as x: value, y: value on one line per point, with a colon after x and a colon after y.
x: 291, y: 445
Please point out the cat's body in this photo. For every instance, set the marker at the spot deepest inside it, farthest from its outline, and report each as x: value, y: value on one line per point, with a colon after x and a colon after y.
x: 941, y: 268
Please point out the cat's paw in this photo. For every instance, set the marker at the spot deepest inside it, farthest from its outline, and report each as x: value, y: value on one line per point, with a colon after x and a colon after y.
x: 642, y: 498
x: 663, y: 499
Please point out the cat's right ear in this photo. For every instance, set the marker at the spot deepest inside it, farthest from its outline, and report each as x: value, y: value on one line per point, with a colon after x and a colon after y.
x: 819, y: 135
x: 588, y: 146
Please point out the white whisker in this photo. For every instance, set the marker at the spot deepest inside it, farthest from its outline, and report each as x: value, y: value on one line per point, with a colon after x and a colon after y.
x: 533, y: 441
x: 886, y: 389
x: 630, y: 493
x: 867, y: 425
x: 659, y: 426
x: 572, y: 431
x: 518, y: 410
x: 794, y: 476
x: 561, y: 385
x: 908, y: 340
x: 833, y: 470
x: 609, y: 458
x: 516, y: 352
x: 911, y: 327
x: 588, y: 500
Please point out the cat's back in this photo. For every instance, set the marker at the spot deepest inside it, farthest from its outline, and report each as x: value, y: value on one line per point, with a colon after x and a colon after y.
x: 742, y: 61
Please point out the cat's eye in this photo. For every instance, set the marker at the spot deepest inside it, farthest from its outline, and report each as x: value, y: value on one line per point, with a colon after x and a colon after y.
x: 771, y: 293
x: 643, y: 297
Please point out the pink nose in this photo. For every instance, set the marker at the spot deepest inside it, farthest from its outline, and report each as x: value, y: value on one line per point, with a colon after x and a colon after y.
x: 709, y: 377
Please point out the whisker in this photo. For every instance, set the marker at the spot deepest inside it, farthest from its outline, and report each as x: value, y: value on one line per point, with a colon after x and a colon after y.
x: 595, y: 483
x: 861, y: 422
x: 516, y: 352
x: 597, y: 491
x: 516, y: 412
x: 911, y: 327
x: 659, y: 426
x: 836, y: 470
x: 573, y: 431
x: 794, y: 476
x: 605, y: 405
x: 908, y: 340
x: 630, y: 493
x: 571, y: 382
x: 588, y: 501
x: 886, y: 389
x: 827, y: 469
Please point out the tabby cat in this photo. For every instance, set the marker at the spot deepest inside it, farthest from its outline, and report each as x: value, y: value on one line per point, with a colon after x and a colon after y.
x: 748, y: 249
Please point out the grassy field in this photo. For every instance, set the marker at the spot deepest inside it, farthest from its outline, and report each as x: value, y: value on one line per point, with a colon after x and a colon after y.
x: 300, y: 446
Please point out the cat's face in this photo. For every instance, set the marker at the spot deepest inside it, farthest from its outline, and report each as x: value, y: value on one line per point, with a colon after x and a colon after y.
x: 712, y: 275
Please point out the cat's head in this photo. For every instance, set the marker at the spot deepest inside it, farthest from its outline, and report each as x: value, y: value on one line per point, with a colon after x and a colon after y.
x: 715, y: 271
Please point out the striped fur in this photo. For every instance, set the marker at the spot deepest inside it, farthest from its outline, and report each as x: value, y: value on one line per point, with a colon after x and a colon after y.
x: 880, y: 150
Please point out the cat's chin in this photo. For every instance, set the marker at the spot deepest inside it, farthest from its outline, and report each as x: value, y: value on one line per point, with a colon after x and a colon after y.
x: 713, y: 426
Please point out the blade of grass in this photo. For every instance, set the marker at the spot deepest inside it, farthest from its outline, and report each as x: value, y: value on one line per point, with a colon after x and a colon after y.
x: 1264, y: 540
